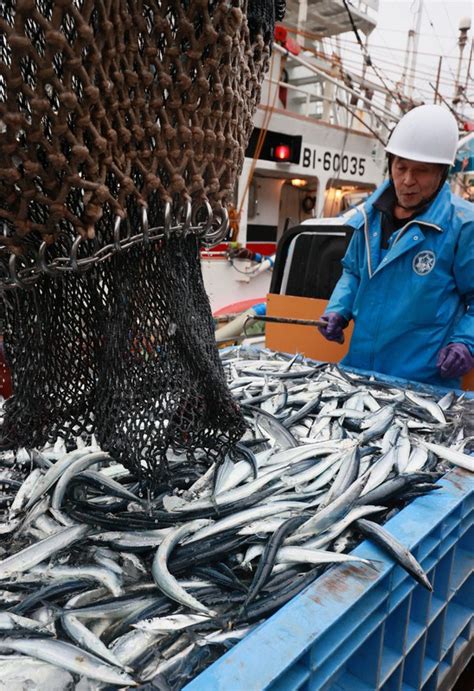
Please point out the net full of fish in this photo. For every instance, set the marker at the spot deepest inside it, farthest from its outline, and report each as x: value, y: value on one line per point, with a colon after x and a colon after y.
x: 119, y: 589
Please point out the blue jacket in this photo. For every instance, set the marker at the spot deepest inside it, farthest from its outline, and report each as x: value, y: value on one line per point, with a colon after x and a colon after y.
x: 420, y: 296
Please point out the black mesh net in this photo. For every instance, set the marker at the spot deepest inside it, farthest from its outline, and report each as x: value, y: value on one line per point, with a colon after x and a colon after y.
x: 123, y: 126
x: 125, y: 351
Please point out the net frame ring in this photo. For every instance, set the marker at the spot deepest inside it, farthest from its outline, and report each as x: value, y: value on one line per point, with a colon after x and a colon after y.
x: 202, y: 228
x: 79, y: 265
x: 145, y: 227
x: 43, y: 265
x: 167, y: 225
x: 118, y: 240
x: 214, y: 237
x: 15, y: 278
x: 54, y: 268
x: 184, y: 219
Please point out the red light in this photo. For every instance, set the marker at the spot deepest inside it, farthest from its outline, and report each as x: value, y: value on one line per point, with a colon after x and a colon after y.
x: 280, y: 33
x: 282, y: 152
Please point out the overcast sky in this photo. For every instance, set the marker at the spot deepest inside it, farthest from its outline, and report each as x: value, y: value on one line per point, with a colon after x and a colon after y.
x: 439, y: 35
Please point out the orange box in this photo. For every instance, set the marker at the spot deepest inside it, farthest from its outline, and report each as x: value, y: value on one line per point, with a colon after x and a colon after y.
x: 306, y: 340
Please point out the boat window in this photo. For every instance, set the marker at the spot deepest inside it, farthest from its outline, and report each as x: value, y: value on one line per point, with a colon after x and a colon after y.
x: 340, y: 196
x: 297, y: 202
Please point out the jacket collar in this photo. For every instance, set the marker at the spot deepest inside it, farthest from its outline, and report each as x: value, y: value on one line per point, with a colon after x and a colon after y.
x: 436, y: 214
x: 435, y: 217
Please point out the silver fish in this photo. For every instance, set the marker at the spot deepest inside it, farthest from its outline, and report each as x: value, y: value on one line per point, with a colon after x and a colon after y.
x: 164, y: 580
x: 433, y: 408
x: 39, y: 551
x: 68, y: 657
x: 87, y: 640
x: 395, y: 549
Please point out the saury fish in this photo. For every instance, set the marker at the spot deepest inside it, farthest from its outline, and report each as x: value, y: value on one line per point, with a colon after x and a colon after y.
x: 102, y: 580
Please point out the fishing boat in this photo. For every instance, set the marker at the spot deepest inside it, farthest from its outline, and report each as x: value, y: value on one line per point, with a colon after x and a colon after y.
x: 318, y: 145
x: 317, y: 148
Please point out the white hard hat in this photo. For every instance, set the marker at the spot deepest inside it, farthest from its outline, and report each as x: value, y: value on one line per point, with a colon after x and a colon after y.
x: 427, y: 133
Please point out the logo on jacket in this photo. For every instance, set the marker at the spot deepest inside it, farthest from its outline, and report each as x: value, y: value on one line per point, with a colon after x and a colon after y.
x: 424, y: 262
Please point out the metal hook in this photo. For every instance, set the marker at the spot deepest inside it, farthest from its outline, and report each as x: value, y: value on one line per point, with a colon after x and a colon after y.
x: 117, y: 238
x: 42, y: 261
x: 20, y: 282
x: 201, y: 232
x: 73, y: 253
x: 65, y: 259
x: 184, y: 218
x: 146, y: 235
x: 167, y: 219
x: 214, y: 237
x: 80, y: 265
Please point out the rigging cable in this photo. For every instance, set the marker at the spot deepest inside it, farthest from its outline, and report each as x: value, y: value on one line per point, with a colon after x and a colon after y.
x: 437, y: 37
x: 357, y: 117
x: 270, y: 107
x: 418, y: 90
x: 396, y: 50
x: 458, y: 118
x: 368, y: 59
x: 425, y: 69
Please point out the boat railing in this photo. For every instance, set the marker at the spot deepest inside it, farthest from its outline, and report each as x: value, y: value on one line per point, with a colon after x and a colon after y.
x: 304, y: 101
x: 365, y: 5
x: 330, y: 17
x: 328, y: 98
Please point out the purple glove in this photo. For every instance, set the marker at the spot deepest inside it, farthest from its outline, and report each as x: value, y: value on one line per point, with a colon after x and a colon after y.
x: 454, y: 360
x: 335, y: 325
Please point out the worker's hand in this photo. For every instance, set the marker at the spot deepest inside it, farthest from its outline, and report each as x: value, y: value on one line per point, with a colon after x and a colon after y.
x: 333, y: 331
x: 455, y: 360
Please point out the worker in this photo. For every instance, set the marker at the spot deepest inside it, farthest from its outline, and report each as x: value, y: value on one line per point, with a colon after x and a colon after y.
x: 408, y: 273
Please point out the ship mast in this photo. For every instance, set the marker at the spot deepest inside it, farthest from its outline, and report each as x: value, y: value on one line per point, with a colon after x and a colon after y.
x: 415, y: 37
x: 458, y: 98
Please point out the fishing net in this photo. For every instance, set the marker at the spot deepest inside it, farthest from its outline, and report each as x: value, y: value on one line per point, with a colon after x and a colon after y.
x: 123, y: 125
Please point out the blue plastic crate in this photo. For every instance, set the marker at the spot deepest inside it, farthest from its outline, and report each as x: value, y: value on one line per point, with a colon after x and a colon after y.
x: 360, y: 629
x: 357, y: 628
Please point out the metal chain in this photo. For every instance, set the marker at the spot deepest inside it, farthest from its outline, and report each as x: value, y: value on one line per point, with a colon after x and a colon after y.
x: 209, y: 231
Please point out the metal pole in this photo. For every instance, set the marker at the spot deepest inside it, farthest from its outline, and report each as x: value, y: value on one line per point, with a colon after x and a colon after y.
x: 302, y: 17
x: 468, y: 73
x: 414, y: 55
x: 437, y: 79
x: 401, y: 81
x: 286, y: 320
x: 464, y: 26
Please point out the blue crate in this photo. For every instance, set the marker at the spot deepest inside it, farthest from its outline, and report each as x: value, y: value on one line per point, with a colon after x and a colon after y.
x: 360, y: 629
x: 357, y: 628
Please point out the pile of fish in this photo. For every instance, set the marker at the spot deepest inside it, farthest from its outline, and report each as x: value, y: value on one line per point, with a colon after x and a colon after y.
x: 107, y: 587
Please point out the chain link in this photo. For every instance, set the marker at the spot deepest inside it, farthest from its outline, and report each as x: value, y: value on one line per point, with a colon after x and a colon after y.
x: 210, y: 230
